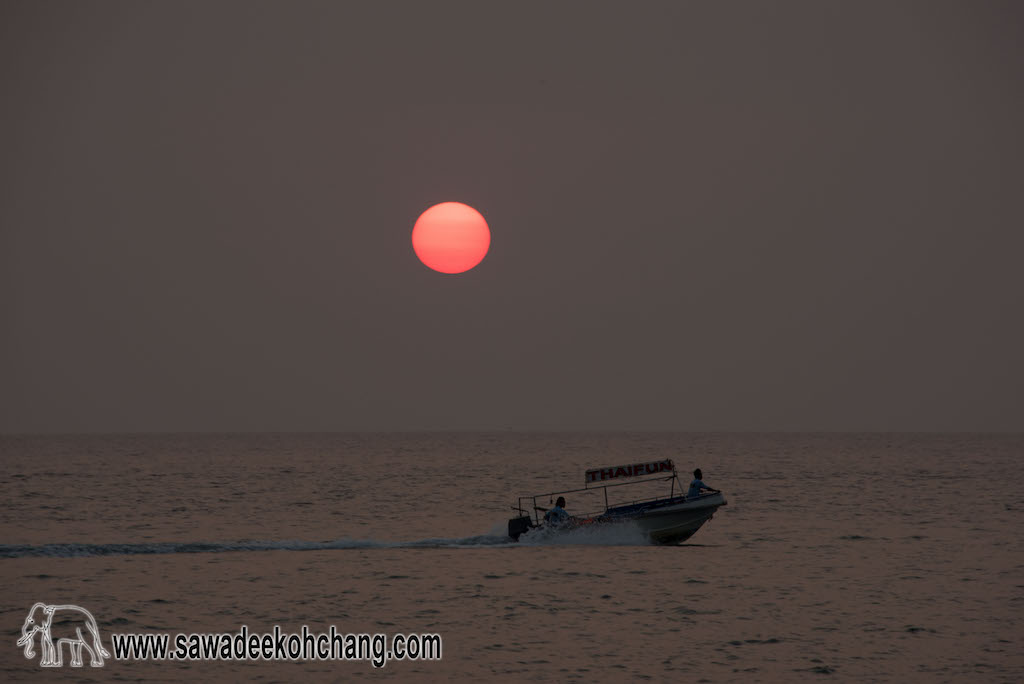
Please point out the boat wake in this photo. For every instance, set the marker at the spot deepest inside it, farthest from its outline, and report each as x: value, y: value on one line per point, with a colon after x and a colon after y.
x: 622, y: 534
x: 617, y: 535
x: 82, y: 550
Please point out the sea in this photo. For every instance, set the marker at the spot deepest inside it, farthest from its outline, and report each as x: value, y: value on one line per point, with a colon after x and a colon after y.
x: 839, y: 557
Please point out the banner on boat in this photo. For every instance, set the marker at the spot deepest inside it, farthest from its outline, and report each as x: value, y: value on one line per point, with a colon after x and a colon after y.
x: 632, y: 470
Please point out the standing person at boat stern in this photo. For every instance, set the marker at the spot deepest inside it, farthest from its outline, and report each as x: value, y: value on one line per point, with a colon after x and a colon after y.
x: 698, y: 484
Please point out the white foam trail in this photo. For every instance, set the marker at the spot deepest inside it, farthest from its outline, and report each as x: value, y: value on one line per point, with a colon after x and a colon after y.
x: 619, y: 534
x: 623, y: 534
x: 81, y: 550
x: 499, y: 529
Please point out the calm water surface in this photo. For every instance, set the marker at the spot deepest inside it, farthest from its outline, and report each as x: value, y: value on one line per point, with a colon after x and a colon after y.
x: 845, y: 557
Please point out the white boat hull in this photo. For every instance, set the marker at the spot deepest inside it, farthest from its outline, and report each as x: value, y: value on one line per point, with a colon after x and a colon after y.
x: 678, y: 522
x: 668, y: 521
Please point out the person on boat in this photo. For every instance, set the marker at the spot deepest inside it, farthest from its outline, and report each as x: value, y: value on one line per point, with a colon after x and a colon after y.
x: 698, y: 485
x: 557, y: 516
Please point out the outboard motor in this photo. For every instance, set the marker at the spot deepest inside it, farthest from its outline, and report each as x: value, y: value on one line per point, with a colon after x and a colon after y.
x: 517, y: 526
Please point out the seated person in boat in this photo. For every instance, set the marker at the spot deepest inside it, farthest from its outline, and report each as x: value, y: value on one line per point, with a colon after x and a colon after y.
x: 557, y: 516
x: 698, y: 485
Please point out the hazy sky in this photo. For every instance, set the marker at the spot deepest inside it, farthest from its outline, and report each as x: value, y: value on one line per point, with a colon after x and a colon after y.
x: 749, y: 216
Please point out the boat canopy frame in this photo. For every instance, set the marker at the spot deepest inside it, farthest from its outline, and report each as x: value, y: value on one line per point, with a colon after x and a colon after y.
x: 674, y: 478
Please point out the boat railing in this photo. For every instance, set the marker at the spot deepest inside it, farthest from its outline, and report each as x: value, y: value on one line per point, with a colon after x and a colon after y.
x: 534, y: 507
x: 634, y: 502
x: 682, y: 498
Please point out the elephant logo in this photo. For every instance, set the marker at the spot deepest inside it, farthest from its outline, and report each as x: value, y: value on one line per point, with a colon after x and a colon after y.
x: 59, y: 625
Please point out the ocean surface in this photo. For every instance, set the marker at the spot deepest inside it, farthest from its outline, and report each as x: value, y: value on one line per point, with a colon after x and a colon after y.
x: 844, y: 557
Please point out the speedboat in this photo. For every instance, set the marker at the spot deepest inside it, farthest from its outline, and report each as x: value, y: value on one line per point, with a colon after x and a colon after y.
x: 665, y: 520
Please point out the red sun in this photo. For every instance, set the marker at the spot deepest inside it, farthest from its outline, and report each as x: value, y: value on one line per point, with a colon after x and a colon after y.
x: 451, y: 237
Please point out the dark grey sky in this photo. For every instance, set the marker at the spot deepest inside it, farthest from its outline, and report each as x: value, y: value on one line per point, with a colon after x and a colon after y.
x: 704, y: 215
